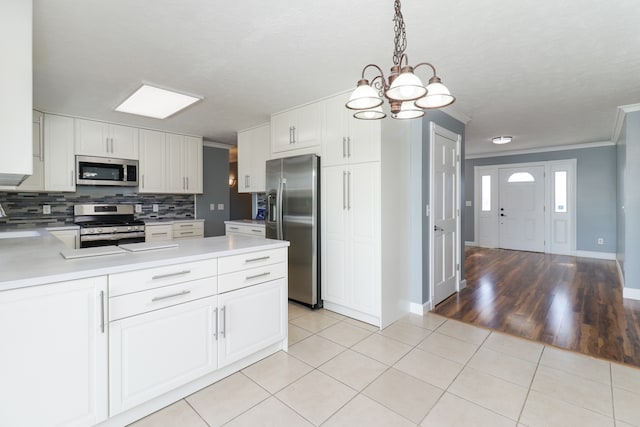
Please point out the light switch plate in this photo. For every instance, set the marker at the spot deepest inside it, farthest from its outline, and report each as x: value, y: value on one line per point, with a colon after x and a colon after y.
x: 220, y: 206
x: 467, y: 203
x: 138, y: 208
x: 155, y: 208
x: 46, y: 209
x: 212, y: 206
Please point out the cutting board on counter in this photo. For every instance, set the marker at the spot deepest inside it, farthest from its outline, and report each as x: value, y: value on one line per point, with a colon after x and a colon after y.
x: 148, y: 246
x: 91, y: 252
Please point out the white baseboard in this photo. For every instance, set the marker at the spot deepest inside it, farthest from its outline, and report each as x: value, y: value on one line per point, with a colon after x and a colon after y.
x: 599, y: 255
x: 620, y: 273
x: 420, y: 309
x: 463, y: 284
x: 471, y: 243
x: 631, y: 293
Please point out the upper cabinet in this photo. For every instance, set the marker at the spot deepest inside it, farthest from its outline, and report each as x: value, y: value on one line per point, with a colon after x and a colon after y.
x: 106, y: 140
x: 152, y: 161
x: 59, y: 165
x: 347, y: 139
x: 297, y: 128
x: 253, y: 153
x: 183, y: 164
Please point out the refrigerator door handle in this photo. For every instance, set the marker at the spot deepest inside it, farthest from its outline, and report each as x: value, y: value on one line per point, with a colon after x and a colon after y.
x: 344, y: 190
x: 349, y: 190
x: 279, y: 215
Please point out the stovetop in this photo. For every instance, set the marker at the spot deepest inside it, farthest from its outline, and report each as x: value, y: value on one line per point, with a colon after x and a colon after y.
x: 108, y: 223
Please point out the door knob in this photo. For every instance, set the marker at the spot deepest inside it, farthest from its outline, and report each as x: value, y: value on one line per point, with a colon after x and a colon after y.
x: 502, y: 214
x: 501, y: 209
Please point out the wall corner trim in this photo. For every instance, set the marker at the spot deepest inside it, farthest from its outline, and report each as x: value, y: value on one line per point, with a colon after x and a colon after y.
x: 456, y: 114
x: 213, y: 144
x: 631, y: 293
x: 623, y: 110
x: 620, y: 273
x: 611, y: 256
x: 420, y: 309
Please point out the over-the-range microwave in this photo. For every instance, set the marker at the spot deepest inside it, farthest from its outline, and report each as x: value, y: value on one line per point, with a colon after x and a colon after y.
x: 106, y: 171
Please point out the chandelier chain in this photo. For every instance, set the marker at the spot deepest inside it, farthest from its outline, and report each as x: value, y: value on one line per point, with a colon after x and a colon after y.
x: 400, y: 36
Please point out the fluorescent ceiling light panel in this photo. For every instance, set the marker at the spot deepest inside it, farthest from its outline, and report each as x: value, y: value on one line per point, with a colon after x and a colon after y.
x: 154, y: 102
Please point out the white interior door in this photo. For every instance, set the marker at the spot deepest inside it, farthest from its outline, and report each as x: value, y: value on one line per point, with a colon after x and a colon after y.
x: 522, y: 194
x: 444, y: 213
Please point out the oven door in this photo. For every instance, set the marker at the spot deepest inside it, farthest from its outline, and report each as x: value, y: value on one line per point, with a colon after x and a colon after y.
x: 92, y: 240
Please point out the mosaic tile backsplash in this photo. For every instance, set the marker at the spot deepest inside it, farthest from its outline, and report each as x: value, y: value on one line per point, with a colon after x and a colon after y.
x: 24, y: 210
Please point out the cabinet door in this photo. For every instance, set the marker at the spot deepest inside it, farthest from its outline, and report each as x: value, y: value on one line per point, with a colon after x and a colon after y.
x: 245, y: 160
x: 251, y: 319
x: 334, y: 137
x: 59, y: 164
x: 123, y: 142
x: 364, y: 224
x: 259, y: 157
x: 363, y: 139
x: 174, y: 169
x: 335, y: 234
x: 193, y: 164
x: 152, y: 161
x: 53, y: 362
x: 91, y: 138
x: 153, y: 353
x: 281, y: 131
x: 308, y: 125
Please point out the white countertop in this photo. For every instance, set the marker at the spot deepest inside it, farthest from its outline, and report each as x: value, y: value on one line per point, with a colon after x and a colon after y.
x: 252, y: 222
x: 169, y: 221
x: 33, y: 261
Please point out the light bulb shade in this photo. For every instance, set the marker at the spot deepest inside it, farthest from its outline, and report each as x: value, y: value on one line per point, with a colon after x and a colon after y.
x: 364, y: 97
x: 406, y: 87
x: 408, y: 111
x: 437, y: 96
x: 373, y: 114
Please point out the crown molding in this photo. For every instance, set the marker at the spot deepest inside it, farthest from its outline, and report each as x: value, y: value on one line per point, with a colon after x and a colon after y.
x: 541, y: 150
x: 456, y: 114
x: 623, y: 110
x: 214, y: 144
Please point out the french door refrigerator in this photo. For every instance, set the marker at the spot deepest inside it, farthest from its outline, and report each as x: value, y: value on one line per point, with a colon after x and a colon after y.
x: 293, y: 214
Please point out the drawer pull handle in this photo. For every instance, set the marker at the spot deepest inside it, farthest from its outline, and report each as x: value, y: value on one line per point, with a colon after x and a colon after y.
x: 163, y: 276
x: 233, y: 228
x: 179, y: 294
x: 262, y: 258
x: 159, y: 234
x: 215, y: 314
x: 255, y: 276
x: 186, y: 232
x: 256, y: 231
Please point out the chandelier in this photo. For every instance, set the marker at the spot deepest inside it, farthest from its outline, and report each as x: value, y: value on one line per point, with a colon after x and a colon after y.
x: 408, y: 97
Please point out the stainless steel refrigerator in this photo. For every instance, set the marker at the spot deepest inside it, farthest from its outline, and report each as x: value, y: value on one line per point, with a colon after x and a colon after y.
x: 293, y: 214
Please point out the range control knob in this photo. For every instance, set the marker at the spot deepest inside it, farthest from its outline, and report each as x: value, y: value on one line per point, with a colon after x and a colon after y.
x: 99, y: 230
x: 128, y: 228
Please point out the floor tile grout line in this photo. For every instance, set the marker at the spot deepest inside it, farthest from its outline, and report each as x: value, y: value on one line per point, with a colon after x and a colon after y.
x: 613, y: 401
x: 194, y: 410
x: 533, y: 378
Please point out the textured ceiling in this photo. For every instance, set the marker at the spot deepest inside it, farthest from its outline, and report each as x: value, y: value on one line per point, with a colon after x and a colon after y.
x: 547, y: 72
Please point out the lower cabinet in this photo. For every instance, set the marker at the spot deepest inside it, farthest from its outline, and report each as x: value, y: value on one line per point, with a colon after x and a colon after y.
x: 188, y: 230
x: 54, y: 354
x: 245, y: 230
x: 158, y: 232
x: 71, y: 238
x: 155, y: 352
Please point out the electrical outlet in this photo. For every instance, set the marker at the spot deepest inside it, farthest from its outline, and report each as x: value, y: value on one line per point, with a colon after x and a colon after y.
x: 155, y: 208
x: 46, y: 209
x: 212, y: 206
x: 138, y: 208
x: 600, y: 241
x: 220, y: 206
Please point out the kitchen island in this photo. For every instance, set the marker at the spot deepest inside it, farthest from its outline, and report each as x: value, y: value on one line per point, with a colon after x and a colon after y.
x: 106, y: 340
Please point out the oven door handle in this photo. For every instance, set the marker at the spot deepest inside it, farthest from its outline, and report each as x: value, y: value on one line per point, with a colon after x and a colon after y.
x: 110, y: 237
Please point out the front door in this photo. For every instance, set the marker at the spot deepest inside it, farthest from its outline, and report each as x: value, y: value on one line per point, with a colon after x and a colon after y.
x: 444, y: 217
x: 521, y: 211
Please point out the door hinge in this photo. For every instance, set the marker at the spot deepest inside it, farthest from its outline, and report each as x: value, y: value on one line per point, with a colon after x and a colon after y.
x: 458, y: 267
x: 458, y: 157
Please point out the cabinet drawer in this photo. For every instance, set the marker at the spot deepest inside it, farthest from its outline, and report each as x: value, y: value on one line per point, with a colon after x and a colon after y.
x: 155, y: 233
x: 188, y: 230
x: 252, y: 259
x: 141, y: 280
x: 253, y: 276
x: 245, y: 229
x: 154, y: 299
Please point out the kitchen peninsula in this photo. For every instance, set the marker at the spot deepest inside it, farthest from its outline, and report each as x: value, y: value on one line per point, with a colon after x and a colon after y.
x: 106, y: 340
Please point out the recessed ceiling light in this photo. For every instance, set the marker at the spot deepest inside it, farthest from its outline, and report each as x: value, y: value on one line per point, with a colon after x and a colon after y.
x: 154, y: 102
x: 501, y: 139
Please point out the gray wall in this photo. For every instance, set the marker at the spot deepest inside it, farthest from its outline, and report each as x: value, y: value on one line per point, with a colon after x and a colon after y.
x: 595, y: 192
x: 447, y: 122
x: 630, y: 206
x: 215, y: 185
x: 620, y: 219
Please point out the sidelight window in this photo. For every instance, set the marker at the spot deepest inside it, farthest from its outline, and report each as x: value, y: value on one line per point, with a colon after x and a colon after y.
x: 486, y: 193
x: 560, y: 191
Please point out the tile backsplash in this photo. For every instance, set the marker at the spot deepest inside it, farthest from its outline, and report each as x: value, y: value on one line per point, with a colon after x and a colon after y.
x: 25, y: 209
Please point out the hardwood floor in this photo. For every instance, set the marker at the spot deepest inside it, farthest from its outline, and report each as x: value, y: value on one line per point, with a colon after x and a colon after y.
x: 573, y: 303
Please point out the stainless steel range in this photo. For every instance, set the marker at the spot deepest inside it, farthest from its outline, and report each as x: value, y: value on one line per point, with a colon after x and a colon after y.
x: 104, y: 225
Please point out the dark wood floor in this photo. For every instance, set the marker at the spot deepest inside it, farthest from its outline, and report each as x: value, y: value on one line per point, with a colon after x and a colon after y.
x: 573, y: 303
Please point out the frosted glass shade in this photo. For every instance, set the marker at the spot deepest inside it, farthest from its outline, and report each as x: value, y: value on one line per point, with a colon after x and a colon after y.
x: 364, y: 97
x: 373, y: 114
x: 406, y: 87
x: 408, y: 111
x: 437, y: 96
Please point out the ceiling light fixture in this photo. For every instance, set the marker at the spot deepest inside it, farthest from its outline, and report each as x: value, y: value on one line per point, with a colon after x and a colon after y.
x: 501, y: 139
x: 407, y: 96
x: 151, y: 101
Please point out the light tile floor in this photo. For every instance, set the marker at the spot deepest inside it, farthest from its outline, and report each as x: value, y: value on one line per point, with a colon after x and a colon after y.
x: 420, y: 371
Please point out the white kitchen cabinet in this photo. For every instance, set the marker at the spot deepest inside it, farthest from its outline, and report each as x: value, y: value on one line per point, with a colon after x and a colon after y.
x: 152, y: 161
x: 351, y: 237
x: 346, y: 139
x: 155, y: 352
x: 183, y: 164
x: 244, y: 229
x: 71, y: 238
x: 35, y: 182
x: 158, y: 232
x: 251, y: 319
x: 59, y: 164
x: 182, y: 230
x: 298, y: 128
x: 106, y: 140
x: 54, y: 359
x: 253, y: 152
